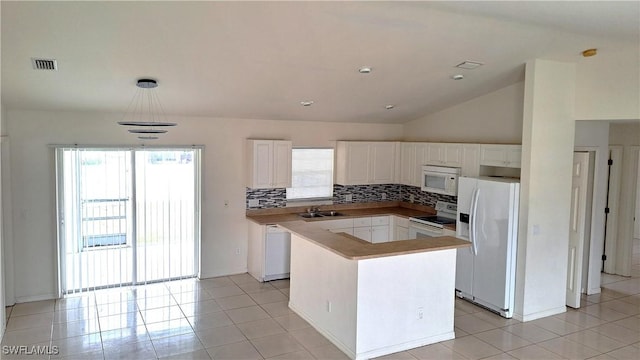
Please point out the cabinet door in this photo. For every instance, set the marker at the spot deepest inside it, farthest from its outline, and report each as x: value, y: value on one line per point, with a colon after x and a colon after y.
x: 401, y: 233
x: 514, y: 156
x: 379, y: 234
x: 435, y: 154
x: 422, y: 153
x: 357, y: 166
x: 382, y: 161
x: 407, y: 163
x: 453, y: 155
x: 363, y: 233
x: 262, y: 164
x: 470, y: 160
x: 493, y: 155
x: 281, y: 164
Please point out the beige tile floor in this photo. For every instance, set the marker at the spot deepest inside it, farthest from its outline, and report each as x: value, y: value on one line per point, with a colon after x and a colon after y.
x: 236, y: 317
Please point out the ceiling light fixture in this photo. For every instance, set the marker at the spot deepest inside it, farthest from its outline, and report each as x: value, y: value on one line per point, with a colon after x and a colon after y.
x: 458, y: 77
x: 590, y: 52
x: 469, y: 65
x: 146, y: 111
x: 306, y: 103
x: 364, y: 70
x: 389, y: 107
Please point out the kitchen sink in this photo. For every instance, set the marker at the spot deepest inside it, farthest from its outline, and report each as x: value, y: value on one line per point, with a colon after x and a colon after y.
x: 310, y: 215
x: 331, y: 213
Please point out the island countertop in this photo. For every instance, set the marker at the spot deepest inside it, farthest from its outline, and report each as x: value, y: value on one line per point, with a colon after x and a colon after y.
x: 350, y: 247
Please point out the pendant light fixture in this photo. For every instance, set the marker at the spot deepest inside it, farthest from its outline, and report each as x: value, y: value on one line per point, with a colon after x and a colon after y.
x: 145, y: 112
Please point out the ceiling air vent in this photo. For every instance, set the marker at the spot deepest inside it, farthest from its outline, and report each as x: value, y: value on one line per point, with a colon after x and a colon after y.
x: 44, y: 64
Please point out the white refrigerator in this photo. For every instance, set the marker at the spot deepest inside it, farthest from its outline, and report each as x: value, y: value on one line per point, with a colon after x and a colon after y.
x: 488, y: 218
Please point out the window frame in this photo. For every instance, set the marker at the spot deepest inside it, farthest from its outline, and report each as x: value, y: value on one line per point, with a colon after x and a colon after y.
x: 313, y: 200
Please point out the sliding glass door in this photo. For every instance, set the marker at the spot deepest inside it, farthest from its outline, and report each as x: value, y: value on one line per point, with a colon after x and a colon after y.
x: 127, y: 216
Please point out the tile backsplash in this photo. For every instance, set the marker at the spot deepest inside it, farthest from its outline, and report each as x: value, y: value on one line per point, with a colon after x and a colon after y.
x: 277, y: 198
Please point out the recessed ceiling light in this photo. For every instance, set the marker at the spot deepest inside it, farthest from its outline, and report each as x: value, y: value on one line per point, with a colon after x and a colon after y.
x: 469, y: 65
x: 458, y: 77
x: 389, y: 107
x: 306, y: 103
x: 590, y: 52
x: 364, y: 70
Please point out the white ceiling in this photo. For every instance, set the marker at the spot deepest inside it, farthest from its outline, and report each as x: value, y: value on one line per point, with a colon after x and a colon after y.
x: 260, y: 59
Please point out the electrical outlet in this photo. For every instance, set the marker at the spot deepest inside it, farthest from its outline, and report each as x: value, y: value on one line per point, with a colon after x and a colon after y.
x: 383, y: 196
x: 328, y: 306
x: 237, y: 251
x: 420, y: 313
x: 348, y: 198
x: 412, y: 198
x: 254, y: 202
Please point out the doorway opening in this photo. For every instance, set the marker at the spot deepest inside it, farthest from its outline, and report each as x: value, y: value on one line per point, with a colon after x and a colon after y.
x: 126, y: 216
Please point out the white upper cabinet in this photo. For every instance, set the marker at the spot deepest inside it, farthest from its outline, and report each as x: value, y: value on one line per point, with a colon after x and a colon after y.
x: 360, y: 163
x: 269, y: 164
x: 383, y: 159
x: 501, y: 155
x: 444, y: 154
x: 412, y: 157
x: 470, y: 160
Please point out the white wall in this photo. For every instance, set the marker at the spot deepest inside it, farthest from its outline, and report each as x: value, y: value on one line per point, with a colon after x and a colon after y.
x: 547, y: 155
x: 608, y: 85
x: 492, y: 118
x: 32, y: 186
x: 594, y: 135
x: 627, y: 135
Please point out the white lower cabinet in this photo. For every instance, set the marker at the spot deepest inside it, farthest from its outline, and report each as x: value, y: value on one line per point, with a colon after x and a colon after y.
x: 400, y: 228
x: 363, y: 232
x: 374, y: 229
x: 379, y: 234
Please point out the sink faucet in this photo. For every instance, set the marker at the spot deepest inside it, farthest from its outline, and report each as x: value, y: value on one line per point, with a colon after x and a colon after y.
x: 313, y: 210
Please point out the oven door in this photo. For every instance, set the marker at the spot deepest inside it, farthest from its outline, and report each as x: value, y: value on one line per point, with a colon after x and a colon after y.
x: 423, y: 231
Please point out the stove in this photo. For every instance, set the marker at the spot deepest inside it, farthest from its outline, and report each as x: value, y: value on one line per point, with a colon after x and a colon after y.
x: 446, y: 215
x: 433, y: 220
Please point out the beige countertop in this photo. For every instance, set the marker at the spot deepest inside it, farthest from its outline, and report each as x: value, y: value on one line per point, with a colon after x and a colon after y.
x: 277, y: 216
x: 349, y: 246
x: 353, y: 248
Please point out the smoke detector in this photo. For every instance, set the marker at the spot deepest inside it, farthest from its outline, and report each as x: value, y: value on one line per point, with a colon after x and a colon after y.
x: 44, y: 64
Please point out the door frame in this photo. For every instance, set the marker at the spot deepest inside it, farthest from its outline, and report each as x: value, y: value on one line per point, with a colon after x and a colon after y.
x: 198, y: 155
x: 613, y: 196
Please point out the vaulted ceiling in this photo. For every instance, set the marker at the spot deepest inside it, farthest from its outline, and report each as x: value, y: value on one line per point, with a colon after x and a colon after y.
x: 261, y: 59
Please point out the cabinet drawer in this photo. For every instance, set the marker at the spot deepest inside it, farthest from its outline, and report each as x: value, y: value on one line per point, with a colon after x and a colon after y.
x: 359, y: 222
x: 379, y: 220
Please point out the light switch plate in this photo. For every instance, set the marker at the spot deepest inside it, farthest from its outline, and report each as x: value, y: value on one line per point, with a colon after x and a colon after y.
x: 348, y: 197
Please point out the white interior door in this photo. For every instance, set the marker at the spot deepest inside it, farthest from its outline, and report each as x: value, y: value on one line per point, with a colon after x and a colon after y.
x: 636, y: 228
x: 580, y: 173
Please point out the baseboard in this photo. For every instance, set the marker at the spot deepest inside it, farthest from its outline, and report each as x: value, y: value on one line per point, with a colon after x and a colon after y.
x: 594, y: 291
x: 350, y: 353
x: 24, y: 299
x: 376, y: 352
x: 539, y: 315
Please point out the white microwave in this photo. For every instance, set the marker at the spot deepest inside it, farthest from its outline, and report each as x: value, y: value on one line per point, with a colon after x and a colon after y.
x: 440, y: 179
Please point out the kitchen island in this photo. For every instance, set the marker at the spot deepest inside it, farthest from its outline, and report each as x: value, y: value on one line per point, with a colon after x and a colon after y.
x: 373, y: 299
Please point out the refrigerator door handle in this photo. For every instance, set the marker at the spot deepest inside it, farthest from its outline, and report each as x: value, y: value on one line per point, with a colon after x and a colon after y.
x: 472, y: 220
